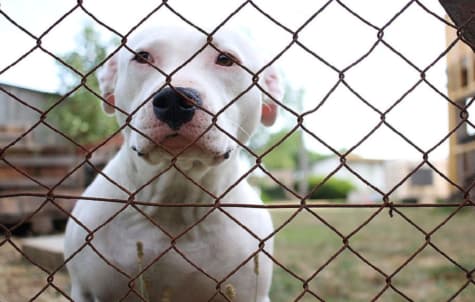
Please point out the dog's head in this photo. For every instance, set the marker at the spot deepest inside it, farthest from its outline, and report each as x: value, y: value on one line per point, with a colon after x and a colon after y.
x: 187, y: 98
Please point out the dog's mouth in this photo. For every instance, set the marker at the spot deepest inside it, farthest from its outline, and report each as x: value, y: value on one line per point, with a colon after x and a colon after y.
x: 175, y: 142
x: 181, y: 148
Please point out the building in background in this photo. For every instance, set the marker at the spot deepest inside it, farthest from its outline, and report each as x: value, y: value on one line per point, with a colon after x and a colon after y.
x: 18, y: 115
x: 461, y: 90
x: 36, y: 158
x: 423, y: 185
x: 372, y: 170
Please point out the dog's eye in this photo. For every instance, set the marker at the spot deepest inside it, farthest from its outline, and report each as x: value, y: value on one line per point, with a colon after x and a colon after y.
x: 143, y: 57
x: 225, y: 59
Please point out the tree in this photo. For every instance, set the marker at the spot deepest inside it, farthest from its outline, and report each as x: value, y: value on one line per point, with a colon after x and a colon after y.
x: 80, y: 116
x: 285, y: 156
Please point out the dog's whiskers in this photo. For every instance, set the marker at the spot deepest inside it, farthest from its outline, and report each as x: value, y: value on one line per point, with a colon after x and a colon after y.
x: 239, y: 127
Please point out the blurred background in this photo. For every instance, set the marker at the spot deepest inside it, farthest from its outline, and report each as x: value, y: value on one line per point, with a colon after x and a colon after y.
x: 351, y: 63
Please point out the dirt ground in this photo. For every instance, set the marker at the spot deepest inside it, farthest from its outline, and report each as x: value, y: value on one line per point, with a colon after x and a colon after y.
x: 21, y: 281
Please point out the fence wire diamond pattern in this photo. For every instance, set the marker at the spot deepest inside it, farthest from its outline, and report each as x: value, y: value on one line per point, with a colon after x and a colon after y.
x: 50, y: 194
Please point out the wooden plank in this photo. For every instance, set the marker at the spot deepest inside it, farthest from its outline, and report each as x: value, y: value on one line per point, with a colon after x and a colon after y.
x: 42, y: 161
x: 18, y: 184
x: 45, y: 250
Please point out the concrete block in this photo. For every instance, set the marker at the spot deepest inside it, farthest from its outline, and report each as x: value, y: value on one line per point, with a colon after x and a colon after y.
x: 46, y: 251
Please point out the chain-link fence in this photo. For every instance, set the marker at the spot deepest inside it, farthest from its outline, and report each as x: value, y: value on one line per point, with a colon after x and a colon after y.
x: 317, y: 223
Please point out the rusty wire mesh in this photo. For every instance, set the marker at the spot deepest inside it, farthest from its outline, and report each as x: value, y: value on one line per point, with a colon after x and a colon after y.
x: 50, y: 197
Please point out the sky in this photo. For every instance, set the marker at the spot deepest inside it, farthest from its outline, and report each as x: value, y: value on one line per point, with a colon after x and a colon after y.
x: 335, y: 35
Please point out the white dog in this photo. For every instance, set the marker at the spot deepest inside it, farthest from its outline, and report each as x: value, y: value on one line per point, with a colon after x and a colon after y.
x: 182, y: 138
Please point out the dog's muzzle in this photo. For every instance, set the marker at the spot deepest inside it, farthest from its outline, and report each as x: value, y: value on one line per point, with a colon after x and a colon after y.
x: 176, y: 106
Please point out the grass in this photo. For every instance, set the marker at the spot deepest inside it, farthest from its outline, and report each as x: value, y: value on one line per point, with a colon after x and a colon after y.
x: 306, y: 244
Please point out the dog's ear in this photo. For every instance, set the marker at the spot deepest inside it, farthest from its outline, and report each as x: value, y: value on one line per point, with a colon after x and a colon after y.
x: 107, y: 77
x: 273, y: 91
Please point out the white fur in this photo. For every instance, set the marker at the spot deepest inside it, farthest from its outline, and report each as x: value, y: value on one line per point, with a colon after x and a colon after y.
x: 217, y: 244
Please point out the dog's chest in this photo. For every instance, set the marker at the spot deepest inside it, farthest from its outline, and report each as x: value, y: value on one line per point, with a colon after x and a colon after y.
x: 174, y: 187
x: 181, y: 260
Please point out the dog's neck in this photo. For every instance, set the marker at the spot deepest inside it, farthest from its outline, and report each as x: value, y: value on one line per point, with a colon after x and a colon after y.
x: 183, y: 182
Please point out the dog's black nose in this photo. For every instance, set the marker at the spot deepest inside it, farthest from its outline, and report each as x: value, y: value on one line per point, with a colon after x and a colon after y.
x: 176, y: 106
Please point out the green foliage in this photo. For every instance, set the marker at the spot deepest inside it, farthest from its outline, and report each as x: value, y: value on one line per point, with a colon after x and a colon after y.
x: 333, y: 188
x: 285, y: 155
x: 409, y: 200
x: 272, y: 193
x: 282, y: 156
x: 80, y: 116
